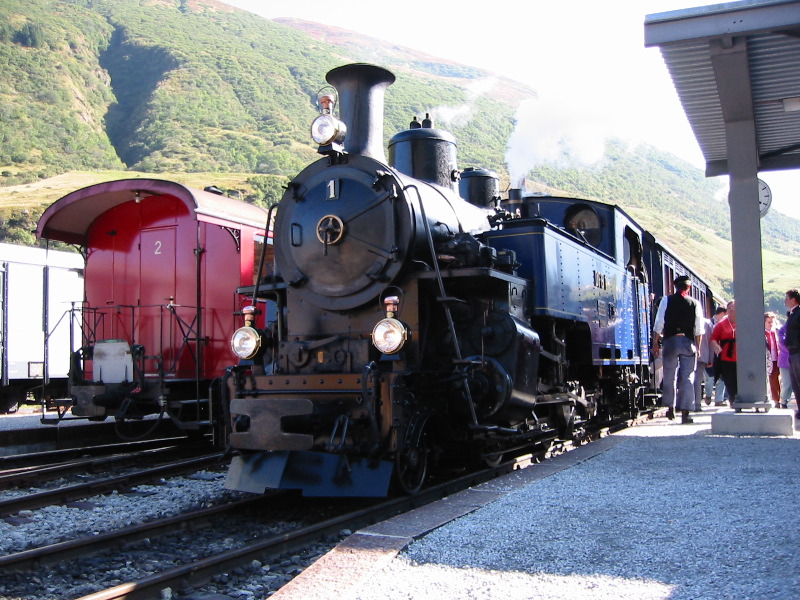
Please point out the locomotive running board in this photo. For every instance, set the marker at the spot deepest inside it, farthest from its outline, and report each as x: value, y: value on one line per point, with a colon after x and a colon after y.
x: 316, y: 474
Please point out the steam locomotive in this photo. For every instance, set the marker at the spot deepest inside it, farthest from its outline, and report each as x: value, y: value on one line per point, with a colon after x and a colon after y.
x: 413, y: 315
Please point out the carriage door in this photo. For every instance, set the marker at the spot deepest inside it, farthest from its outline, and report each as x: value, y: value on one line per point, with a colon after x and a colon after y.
x: 156, y: 292
x: 634, y: 266
x: 63, y: 292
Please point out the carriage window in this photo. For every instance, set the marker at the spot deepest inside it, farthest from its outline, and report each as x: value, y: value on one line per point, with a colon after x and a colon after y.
x: 583, y: 221
x: 669, y: 280
x: 701, y: 297
x: 268, y: 267
x: 632, y: 252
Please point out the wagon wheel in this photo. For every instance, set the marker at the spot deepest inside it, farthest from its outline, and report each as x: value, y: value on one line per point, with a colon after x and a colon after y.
x: 132, y: 429
x: 412, y: 462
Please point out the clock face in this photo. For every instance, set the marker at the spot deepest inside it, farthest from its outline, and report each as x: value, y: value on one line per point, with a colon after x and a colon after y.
x: 764, y: 198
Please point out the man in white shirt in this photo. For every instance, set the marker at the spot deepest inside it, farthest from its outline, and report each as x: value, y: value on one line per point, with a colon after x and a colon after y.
x: 679, y: 322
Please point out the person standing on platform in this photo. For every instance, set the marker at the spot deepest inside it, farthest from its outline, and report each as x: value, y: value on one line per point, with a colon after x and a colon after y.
x: 783, y: 365
x: 773, y: 373
x: 792, y: 302
x: 705, y: 357
x: 679, y: 322
x: 713, y: 380
x: 723, y: 341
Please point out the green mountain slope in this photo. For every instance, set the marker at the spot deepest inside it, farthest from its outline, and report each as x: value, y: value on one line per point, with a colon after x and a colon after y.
x: 200, y: 92
x: 54, y: 94
x: 174, y: 85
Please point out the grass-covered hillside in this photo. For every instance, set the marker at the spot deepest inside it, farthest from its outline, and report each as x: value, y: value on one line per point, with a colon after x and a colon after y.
x: 177, y: 85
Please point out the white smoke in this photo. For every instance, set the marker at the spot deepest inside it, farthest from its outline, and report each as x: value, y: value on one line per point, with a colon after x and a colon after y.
x: 722, y: 193
x: 458, y: 116
x: 551, y: 132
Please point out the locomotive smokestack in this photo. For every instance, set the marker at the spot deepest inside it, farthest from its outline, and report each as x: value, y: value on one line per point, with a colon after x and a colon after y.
x: 361, y: 90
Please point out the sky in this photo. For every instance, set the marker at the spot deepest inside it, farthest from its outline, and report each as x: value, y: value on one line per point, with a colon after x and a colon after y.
x: 585, y: 59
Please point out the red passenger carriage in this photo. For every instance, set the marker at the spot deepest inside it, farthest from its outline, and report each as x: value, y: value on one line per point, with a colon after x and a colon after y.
x: 162, y: 261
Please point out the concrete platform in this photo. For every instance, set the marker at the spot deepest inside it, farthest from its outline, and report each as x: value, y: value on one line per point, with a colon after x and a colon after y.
x: 655, y: 512
x: 779, y: 421
x: 354, y: 561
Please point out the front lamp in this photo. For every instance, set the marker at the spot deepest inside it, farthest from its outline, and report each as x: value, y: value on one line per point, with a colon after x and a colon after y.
x: 246, y: 342
x: 389, y: 336
x: 327, y: 129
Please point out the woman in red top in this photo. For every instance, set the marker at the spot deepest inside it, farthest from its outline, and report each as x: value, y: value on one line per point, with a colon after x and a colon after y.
x: 723, y: 342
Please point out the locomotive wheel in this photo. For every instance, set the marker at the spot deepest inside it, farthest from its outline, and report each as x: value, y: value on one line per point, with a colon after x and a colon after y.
x: 412, y: 465
x: 492, y: 461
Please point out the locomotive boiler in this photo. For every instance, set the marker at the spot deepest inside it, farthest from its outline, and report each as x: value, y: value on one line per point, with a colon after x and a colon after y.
x: 419, y: 318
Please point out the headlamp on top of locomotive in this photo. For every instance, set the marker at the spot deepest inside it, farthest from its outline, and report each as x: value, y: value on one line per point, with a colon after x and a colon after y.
x: 246, y: 341
x: 326, y: 129
x: 390, y: 335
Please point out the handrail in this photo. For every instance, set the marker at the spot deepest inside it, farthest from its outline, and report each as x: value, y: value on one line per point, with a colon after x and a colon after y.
x: 109, y: 322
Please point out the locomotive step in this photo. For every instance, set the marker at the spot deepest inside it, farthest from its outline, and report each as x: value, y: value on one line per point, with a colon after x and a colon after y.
x: 62, y: 402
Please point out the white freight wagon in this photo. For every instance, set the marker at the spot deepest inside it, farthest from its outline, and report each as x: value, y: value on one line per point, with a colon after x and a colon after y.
x: 38, y: 290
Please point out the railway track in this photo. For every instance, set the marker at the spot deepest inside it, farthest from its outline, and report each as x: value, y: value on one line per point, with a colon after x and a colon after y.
x: 92, y: 544
x: 195, y: 572
x: 26, y: 435
x: 13, y: 461
x: 101, y: 486
x: 28, y: 470
x: 203, y: 568
x: 200, y: 571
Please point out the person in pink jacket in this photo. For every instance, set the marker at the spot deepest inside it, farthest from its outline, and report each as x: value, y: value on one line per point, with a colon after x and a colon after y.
x: 773, y: 372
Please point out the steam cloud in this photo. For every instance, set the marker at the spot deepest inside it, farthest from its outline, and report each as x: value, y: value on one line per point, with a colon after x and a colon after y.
x: 548, y: 132
x: 461, y: 114
x: 554, y: 131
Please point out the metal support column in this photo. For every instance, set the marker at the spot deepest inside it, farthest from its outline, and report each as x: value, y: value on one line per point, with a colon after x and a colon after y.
x: 728, y: 56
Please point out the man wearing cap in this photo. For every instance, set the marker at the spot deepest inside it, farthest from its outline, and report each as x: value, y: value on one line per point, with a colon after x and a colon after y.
x: 679, y: 323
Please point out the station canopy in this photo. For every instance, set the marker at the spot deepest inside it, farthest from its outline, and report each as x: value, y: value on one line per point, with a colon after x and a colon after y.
x: 761, y: 83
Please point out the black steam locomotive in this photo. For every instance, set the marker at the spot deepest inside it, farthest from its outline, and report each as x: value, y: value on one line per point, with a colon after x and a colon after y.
x: 413, y: 315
